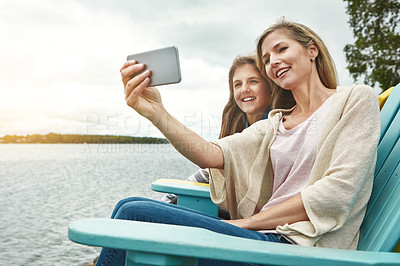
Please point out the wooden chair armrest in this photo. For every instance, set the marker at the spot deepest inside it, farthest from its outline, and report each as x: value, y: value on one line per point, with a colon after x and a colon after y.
x: 161, y: 244
x: 181, y: 187
x: 190, y: 194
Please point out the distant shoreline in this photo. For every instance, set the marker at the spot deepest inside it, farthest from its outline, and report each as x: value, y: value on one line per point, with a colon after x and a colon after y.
x: 53, y: 138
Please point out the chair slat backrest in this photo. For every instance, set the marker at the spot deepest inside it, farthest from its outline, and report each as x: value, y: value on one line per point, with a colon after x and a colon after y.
x: 380, y: 230
x: 388, y: 114
x: 390, y: 109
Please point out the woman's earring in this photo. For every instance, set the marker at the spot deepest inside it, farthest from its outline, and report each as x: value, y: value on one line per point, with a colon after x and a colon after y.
x: 312, y: 59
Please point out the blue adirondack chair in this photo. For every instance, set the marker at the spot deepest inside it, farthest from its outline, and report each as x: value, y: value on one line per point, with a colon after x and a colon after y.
x: 159, y: 244
x: 190, y: 194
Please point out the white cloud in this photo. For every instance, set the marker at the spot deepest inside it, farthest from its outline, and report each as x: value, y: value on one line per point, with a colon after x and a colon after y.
x: 60, y: 60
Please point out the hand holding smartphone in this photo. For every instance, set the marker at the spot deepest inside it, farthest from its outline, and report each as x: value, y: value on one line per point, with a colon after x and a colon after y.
x: 163, y: 63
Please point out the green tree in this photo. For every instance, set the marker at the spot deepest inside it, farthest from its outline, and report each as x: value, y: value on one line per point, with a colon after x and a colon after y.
x: 375, y: 55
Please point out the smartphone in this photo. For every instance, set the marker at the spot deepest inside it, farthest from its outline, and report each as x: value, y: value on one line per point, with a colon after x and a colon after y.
x: 163, y: 63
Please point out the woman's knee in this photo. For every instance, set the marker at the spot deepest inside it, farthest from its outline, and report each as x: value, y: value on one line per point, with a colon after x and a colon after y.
x: 125, y: 201
x: 130, y: 199
x: 138, y: 210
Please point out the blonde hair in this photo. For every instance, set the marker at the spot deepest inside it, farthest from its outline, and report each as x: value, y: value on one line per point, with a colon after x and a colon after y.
x: 304, y: 36
x: 233, y: 118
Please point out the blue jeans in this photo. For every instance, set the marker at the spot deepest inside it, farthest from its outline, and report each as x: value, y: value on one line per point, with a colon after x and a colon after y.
x: 147, y: 210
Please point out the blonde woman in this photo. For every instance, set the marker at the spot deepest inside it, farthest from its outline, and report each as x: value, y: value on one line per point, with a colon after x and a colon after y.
x: 303, y: 176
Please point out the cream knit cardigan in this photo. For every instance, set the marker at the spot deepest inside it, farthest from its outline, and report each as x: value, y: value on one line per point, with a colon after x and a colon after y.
x: 340, y: 182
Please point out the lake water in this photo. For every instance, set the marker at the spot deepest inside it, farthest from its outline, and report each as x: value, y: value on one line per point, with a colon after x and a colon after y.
x: 44, y: 187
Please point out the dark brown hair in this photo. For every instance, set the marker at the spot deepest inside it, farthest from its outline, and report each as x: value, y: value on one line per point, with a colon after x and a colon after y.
x: 233, y: 118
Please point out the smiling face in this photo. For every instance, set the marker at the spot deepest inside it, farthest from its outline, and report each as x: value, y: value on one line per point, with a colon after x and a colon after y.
x: 287, y: 62
x: 251, y: 91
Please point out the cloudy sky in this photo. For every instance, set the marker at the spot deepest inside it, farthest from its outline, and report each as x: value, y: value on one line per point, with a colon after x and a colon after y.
x: 60, y: 59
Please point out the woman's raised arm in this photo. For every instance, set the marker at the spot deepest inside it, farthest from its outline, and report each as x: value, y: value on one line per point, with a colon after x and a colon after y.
x: 147, y: 102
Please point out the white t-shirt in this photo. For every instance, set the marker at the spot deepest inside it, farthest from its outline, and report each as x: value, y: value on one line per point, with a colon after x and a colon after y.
x: 293, y: 154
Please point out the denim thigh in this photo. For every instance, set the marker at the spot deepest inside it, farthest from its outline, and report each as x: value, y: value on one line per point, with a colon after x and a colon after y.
x: 147, y: 210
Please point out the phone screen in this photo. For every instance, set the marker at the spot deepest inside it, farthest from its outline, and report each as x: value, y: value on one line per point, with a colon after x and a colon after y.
x: 163, y: 63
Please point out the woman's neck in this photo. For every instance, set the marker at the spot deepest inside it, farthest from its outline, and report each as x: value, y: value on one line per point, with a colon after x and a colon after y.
x: 310, y: 96
x: 252, y: 118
